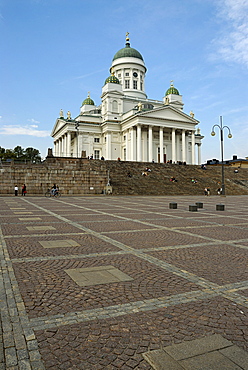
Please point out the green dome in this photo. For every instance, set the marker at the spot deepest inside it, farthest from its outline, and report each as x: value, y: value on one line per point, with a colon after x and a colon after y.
x: 127, y: 52
x: 112, y: 79
x: 172, y: 90
x: 88, y: 101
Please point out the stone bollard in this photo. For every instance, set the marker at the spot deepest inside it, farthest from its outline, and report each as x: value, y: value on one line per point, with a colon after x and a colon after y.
x: 193, y: 208
x: 220, y: 207
x: 199, y: 204
x: 173, y: 205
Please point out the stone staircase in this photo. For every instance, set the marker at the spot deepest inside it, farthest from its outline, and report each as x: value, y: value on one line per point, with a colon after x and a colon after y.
x: 82, y: 177
x: 157, y: 182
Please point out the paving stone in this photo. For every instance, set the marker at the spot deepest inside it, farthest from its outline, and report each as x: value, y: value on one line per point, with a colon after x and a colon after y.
x: 59, y: 243
x: 237, y: 355
x: 160, y: 360
x: 10, y: 356
x: 97, y: 275
x: 197, y: 346
x: 213, y: 360
x: 24, y: 365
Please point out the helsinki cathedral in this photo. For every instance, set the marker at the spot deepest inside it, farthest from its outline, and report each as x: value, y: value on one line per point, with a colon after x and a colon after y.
x: 127, y: 125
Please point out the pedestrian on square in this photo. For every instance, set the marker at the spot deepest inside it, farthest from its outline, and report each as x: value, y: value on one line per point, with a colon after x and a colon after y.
x: 24, y: 190
x: 16, y: 190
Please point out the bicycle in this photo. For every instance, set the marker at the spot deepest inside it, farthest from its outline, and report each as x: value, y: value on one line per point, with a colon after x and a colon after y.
x: 50, y: 193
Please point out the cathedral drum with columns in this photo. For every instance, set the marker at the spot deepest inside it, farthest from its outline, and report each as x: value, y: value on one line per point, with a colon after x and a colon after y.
x: 128, y: 125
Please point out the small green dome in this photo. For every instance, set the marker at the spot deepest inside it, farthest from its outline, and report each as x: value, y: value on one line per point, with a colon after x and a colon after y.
x: 88, y: 101
x: 172, y: 90
x: 112, y: 79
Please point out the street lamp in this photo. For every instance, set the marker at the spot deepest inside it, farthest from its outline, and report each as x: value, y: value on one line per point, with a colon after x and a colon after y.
x: 221, y: 147
x: 76, y: 127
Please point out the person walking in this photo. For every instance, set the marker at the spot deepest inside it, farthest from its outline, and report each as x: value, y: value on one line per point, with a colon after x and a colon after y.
x: 24, y: 190
x: 16, y: 190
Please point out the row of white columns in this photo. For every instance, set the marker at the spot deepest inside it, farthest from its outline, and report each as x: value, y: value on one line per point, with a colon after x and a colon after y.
x: 175, y: 144
x: 62, y: 146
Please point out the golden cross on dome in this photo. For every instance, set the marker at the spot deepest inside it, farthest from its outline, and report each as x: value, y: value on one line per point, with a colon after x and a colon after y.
x: 88, y: 94
x: 172, y: 83
x: 127, y: 34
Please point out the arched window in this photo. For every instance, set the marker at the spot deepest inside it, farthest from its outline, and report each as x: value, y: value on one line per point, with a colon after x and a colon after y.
x: 115, y: 106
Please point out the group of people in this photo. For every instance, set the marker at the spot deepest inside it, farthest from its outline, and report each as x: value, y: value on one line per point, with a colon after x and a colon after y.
x: 24, y: 190
x: 207, y: 191
x: 54, y: 189
x: 146, y: 172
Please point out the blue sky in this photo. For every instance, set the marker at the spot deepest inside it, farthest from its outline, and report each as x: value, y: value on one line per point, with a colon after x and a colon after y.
x: 54, y: 51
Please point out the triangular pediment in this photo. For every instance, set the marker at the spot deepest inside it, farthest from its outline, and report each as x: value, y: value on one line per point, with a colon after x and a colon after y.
x: 59, y: 124
x: 168, y: 113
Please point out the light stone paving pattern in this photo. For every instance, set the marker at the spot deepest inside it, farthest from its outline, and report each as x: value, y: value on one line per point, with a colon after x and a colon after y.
x: 158, y: 278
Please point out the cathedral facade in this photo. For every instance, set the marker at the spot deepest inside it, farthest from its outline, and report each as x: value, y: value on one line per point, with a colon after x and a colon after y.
x: 127, y: 125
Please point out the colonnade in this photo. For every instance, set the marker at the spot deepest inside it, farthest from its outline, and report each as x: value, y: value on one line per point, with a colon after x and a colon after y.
x: 140, y: 146
x: 62, y: 146
x: 180, y: 142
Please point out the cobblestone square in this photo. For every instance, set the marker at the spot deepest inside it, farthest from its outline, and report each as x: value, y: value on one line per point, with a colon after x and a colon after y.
x: 188, y: 278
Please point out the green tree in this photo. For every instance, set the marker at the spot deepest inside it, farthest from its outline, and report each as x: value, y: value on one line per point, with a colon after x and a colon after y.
x: 8, y: 154
x: 32, y: 155
x: 19, y: 152
x: 2, y: 151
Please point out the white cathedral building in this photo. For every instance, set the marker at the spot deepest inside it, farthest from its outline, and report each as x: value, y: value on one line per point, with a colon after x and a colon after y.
x: 127, y: 125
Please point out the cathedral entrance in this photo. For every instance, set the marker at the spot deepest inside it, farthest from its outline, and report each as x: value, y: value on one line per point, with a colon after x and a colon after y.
x: 159, y: 158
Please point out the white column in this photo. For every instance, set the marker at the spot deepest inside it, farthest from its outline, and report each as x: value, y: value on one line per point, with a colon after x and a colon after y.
x: 183, y: 146
x: 68, y: 144
x: 139, y: 143
x: 144, y: 148
x: 108, y: 145
x: 127, y: 146
x: 199, y: 153
x: 55, y: 148
x: 178, y: 154
x: 132, y: 153
x: 173, y: 145
x: 150, y: 153
x: 161, y: 144
x: 59, y: 151
x: 193, y: 147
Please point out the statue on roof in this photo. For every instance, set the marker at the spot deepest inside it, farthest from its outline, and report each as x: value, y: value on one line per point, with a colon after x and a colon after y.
x: 61, y: 113
x: 68, y: 115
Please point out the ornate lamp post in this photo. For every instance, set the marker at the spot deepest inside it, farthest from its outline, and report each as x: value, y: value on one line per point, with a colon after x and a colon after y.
x: 221, y: 127
x: 76, y: 127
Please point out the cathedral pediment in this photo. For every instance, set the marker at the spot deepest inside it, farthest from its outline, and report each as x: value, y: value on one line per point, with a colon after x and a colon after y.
x: 169, y: 113
x: 59, y: 124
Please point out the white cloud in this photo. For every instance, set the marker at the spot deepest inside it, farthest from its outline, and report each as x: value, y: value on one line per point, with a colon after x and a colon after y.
x: 33, y: 121
x: 23, y: 130
x: 232, y: 44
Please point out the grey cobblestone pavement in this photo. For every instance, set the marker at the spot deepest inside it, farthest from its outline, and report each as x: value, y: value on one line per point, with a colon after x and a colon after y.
x: 187, y: 278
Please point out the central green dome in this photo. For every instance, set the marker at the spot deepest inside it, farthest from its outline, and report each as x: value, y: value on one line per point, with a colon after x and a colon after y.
x: 127, y: 52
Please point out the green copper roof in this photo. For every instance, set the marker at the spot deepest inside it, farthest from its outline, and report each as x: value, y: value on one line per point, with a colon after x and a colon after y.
x: 88, y: 101
x: 127, y: 52
x: 112, y: 79
x: 172, y: 90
